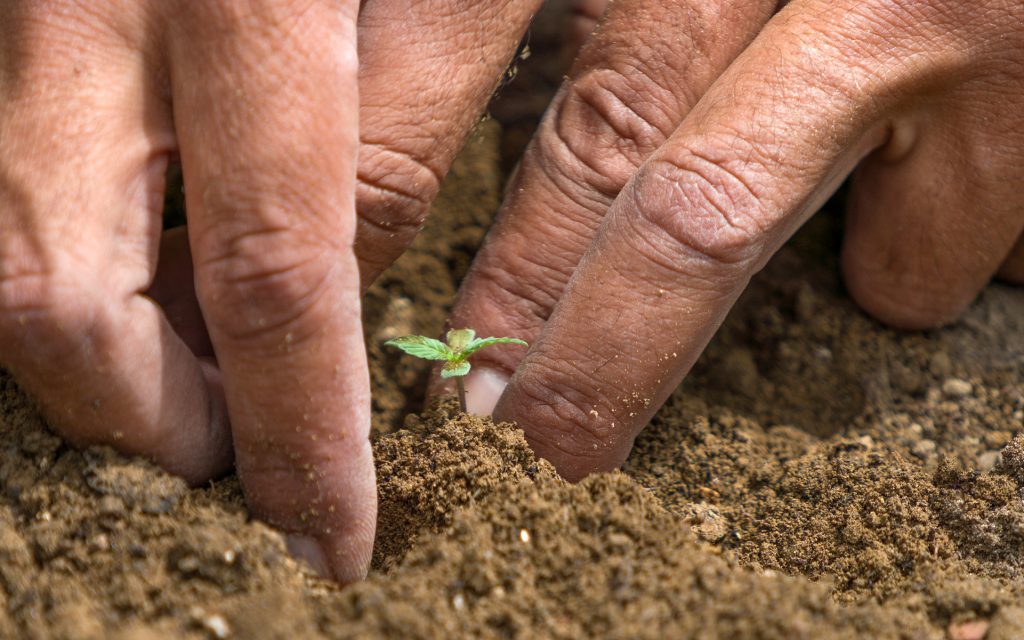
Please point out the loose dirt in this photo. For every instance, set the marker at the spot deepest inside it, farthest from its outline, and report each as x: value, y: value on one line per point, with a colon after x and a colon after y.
x: 817, y: 476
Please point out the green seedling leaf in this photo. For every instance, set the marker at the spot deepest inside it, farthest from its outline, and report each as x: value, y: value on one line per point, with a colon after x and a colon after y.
x: 459, y: 338
x: 455, y: 369
x: 480, y: 343
x: 462, y: 343
x: 423, y: 347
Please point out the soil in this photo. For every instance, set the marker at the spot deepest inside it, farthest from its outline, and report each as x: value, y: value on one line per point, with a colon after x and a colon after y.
x: 817, y: 476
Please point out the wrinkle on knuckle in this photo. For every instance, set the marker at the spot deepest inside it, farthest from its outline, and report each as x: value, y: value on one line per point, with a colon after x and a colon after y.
x: 579, y: 206
x: 602, y: 124
x: 394, y: 189
x: 27, y: 294
x: 263, y: 281
x: 692, y: 206
x: 561, y: 415
x: 519, y: 300
x: 521, y: 285
x: 48, y: 312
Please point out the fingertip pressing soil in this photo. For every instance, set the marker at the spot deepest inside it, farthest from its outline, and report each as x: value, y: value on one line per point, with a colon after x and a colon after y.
x: 817, y: 476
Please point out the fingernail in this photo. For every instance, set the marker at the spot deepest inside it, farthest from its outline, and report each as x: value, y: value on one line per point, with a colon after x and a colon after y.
x: 309, y: 551
x: 483, y: 389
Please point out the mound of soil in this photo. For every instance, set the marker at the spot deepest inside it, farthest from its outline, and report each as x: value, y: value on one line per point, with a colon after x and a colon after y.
x: 817, y: 476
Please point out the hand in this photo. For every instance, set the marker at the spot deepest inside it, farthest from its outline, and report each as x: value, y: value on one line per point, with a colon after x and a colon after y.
x: 260, y: 100
x: 688, y: 144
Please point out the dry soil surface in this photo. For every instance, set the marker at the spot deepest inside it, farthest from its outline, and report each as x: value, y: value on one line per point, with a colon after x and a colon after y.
x: 817, y: 476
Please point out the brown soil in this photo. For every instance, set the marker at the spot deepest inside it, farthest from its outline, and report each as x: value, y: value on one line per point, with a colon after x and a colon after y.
x: 817, y: 476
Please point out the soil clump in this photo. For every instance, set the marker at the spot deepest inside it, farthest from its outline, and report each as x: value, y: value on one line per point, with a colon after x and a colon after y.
x: 817, y: 476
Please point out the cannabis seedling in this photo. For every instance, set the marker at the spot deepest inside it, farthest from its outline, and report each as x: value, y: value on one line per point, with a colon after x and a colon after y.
x: 462, y: 343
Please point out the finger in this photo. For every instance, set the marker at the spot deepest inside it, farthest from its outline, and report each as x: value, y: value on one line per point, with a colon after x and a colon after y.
x: 267, y: 107
x: 928, y: 230
x: 85, y: 133
x: 174, y: 290
x: 633, y: 83
x: 1012, y: 269
x: 413, y: 126
x: 427, y: 69
x: 765, y: 146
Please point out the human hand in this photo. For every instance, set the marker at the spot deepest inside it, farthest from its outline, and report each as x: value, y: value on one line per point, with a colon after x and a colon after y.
x: 260, y: 100
x: 689, y: 142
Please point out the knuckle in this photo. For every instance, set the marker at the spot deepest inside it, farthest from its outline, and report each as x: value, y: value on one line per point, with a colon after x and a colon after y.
x: 605, y: 124
x: 563, y: 419
x: 265, y: 282
x: 46, y: 312
x: 26, y: 288
x: 522, y: 289
x: 394, y: 190
x: 693, y: 206
x: 904, y: 300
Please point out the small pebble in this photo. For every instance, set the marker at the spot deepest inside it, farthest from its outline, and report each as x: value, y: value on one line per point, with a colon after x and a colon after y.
x: 99, y: 542
x: 956, y: 388
x: 524, y: 535
x: 111, y: 505
x: 188, y: 564
x: 806, y: 302
x: 988, y: 461
x: 940, y: 364
x: 924, y: 449
x: 738, y: 372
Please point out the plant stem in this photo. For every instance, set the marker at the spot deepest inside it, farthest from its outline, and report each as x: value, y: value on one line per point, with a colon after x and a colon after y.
x: 462, y: 394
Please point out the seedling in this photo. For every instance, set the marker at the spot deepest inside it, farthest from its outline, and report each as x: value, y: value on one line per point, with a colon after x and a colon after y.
x: 462, y: 343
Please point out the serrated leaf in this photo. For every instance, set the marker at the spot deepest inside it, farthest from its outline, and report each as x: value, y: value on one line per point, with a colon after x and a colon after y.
x: 459, y: 338
x: 480, y: 343
x: 422, y: 347
x: 455, y: 369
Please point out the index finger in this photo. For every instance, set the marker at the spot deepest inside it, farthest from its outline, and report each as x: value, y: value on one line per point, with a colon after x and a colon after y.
x: 760, y: 152
x: 266, y: 107
x: 426, y: 71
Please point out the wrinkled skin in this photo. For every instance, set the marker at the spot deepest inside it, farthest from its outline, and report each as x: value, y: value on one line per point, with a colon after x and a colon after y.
x: 690, y: 140
x: 268, y: 103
